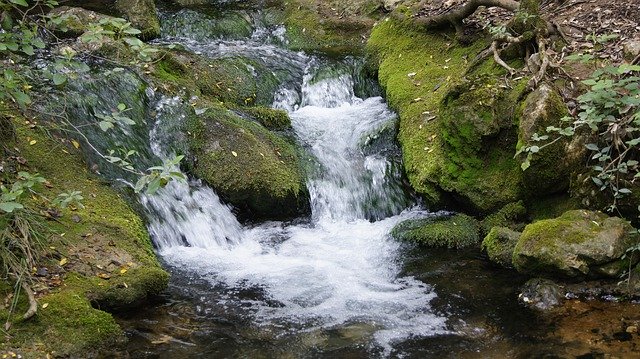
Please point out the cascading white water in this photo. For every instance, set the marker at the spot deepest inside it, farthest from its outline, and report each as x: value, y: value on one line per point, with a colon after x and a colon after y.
x: 340, y: 269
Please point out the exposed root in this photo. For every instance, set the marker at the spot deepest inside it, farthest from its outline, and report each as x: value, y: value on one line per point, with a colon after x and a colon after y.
x: 499, y: 61
x: 456, y: 16
x: 33, y: 304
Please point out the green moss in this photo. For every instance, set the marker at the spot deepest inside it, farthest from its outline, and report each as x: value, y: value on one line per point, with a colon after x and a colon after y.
x: 458, y: 231
x: 578, y: 243
x: 91, y: 240
x: 65, y: 325
x: 499, y: 245
x: 270, y: 118
x: 511, y: 216
x: 262, y: 172
x: 308, y: 30
x: 234, y: 80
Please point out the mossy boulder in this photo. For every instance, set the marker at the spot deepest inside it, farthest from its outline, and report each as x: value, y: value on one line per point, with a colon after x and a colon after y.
x: 233, y: 80
x: 190, y: 24
x: 499, y: 245
x: 142, y: 14
x: 550, y: 168
x: 314, y: 26
x: 578, y: 244
x: 458, y: 124
x: 591, y: 196
x: 253, y: 169
x: 98, y: 257
x: 74, y: 21
x: 270, y: 118
x: 456, y: 231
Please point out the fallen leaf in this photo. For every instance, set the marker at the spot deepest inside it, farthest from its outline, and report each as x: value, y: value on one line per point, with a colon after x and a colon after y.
x: 164, y: 339
x: 234, y: 153
x: 123, y: 271
x: 33, y: 142
x: 75, y: 143
x: 45, y: 305
x: 104, y: 275
x: 63, y: 261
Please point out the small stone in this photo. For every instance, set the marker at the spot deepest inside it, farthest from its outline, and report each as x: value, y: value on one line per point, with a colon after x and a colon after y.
x: 76, y: 219
x: 631, y: 49
x: 632, y: 329
x: 42, y: 272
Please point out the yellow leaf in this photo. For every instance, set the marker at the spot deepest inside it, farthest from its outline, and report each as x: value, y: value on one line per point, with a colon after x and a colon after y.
x: 75, y: 144
x: 104, y: 276
x: 123, y: 271
x: 63, y: 261
x: 33, y: 142
x: 45, y: 305
x: 234, y: 153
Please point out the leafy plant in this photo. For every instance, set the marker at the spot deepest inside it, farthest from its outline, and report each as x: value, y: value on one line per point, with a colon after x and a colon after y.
x: 610, y: 109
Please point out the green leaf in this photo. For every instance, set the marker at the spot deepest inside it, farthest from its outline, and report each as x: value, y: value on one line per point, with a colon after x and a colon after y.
x: 10, y: 206
x: 154, y: 186
x: 19, y: 2
x: 21, y: 98
x: 59, y: 79
x: 592, y: 147
x: 105, y: 125
x: 122, y: 107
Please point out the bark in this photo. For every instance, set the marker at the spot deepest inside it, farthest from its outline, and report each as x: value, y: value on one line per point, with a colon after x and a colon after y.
x: 455, y: 17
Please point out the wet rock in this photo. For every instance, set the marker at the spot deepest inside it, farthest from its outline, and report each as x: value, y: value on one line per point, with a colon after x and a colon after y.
x: 541, y: 294
x: 255, y: 170
x: 190, y: 24
x: 142, y: 14
x: 499, y: 245
x: 579, y: 243
x: 456, y: 231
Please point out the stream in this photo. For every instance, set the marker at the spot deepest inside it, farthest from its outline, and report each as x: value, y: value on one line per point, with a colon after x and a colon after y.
x: 334, y: 284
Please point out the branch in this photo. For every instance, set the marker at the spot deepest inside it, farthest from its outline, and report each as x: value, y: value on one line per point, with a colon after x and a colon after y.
x: 456, y: 16
x: 496, y: 57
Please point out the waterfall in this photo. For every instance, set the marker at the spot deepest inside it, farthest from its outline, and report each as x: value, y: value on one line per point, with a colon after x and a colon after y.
x: 340, y: 269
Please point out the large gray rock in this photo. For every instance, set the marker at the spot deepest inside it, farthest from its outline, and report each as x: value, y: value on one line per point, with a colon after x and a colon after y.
x: 579, y: 243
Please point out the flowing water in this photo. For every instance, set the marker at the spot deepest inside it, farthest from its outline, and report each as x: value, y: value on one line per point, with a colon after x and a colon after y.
x: 334, y: 284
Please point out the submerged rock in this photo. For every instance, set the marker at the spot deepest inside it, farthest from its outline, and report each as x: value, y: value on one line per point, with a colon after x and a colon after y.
x: 456, y: 231
x: 499, y: 245
x: 579, y: 244
x: 541, y: 294
x: 253, y: 169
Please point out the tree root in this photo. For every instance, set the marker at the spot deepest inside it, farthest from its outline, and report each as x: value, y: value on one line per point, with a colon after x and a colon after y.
x: 456, y: 16
x: 33, y: 304
x: 498, y: 60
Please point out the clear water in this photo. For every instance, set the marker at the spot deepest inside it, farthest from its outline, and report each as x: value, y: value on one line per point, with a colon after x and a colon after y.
x: 335, y: 270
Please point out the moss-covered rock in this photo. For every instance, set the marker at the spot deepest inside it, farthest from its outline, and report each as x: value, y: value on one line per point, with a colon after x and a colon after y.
x: 250, y: 167
x: 315, y: 26
x: 97, y: 255
x: 499, y: 245
x: 458, y: 125
x: 270, y: 118
x: 142, y: 14
x: 74, y: 21
x: 234, y: 80
x: 456, y: 231
x: 579, y: 243
x: 512, y: 215
x: 190, y: 24
x: 551, y: 168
